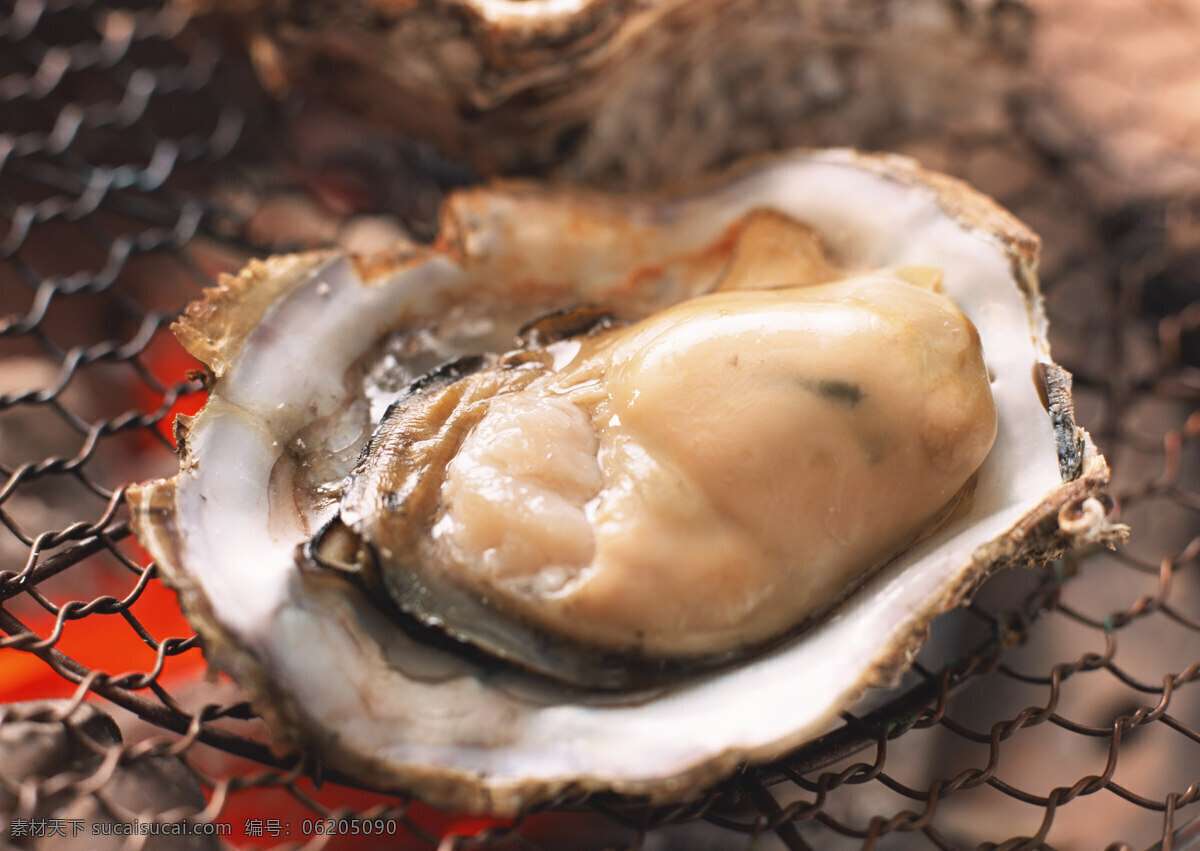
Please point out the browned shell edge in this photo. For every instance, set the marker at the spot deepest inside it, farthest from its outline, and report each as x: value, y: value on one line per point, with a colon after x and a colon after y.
x: 213, y: 328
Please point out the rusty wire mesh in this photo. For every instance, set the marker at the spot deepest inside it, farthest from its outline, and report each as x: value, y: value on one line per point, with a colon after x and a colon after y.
x: 138, y: 160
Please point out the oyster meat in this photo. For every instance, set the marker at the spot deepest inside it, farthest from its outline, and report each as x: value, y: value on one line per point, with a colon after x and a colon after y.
x: 683, y: 487
x: 810, y: 407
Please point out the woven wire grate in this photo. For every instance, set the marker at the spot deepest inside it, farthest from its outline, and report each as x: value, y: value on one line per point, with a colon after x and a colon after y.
x: 138, y: 160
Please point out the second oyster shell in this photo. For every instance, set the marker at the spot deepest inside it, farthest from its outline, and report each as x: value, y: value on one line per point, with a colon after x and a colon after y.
x: 637, y: 94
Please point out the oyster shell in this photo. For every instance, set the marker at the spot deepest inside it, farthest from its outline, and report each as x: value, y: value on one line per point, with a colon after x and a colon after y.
x: 308, y: 352
x: 635, y: 94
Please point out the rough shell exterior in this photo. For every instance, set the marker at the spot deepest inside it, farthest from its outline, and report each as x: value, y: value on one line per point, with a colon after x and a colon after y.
x: 637, y: 92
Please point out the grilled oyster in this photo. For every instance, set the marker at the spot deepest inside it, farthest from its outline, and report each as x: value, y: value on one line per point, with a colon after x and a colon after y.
x: 664, y: 495
x: 319, y: 357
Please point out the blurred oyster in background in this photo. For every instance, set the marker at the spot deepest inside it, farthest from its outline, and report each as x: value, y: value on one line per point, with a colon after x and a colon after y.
x: 632, y: 95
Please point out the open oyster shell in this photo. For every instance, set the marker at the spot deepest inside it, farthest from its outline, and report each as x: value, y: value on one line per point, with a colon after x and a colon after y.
x: 292, y: 405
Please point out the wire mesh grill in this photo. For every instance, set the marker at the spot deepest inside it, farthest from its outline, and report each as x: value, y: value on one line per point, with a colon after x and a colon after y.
x: 138, y: 160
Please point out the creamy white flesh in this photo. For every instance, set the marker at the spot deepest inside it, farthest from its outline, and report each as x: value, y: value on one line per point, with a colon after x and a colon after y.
x: 704, y: 479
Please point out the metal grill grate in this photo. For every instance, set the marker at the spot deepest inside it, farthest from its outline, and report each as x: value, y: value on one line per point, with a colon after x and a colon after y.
x: 138, y: 160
